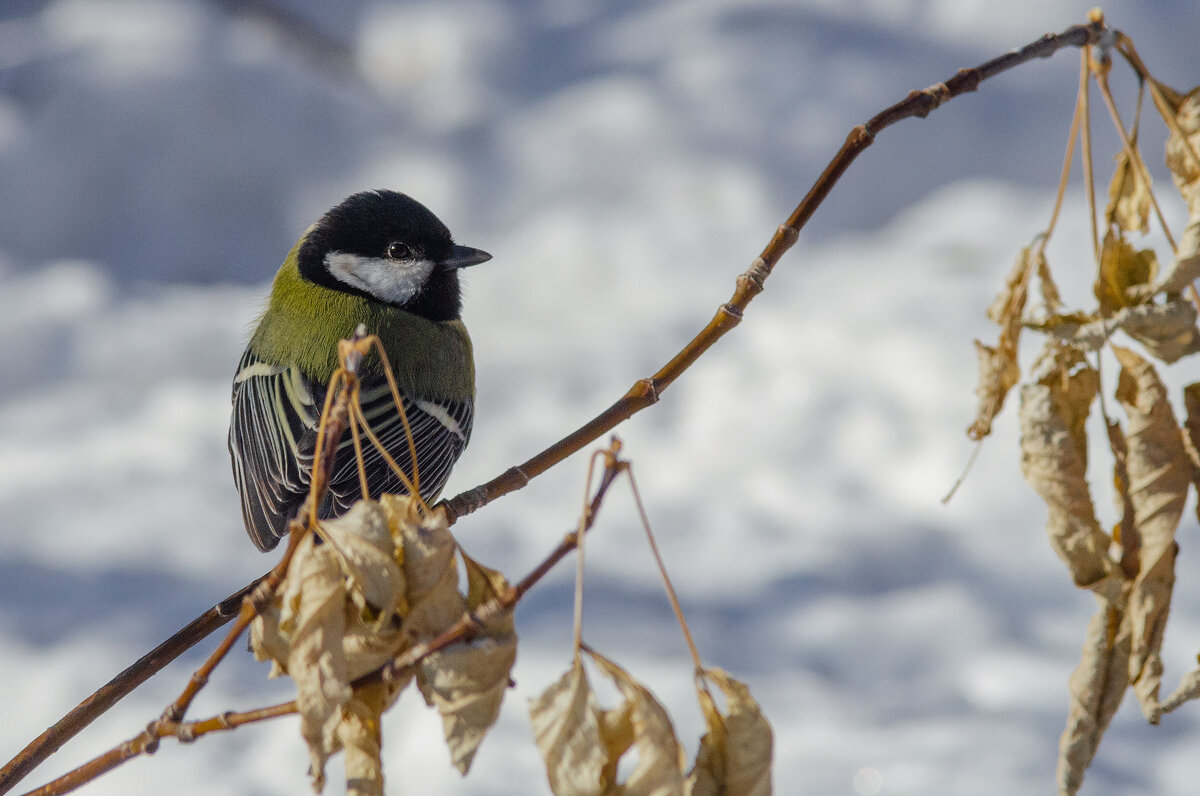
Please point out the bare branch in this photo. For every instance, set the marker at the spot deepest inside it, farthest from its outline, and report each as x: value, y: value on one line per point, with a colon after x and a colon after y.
x: 147, y: 743
x: 646, y: 391
x: 117, y: 688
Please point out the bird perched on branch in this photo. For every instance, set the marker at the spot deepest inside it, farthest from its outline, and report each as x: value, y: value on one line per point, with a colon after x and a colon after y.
x: 383, y: 260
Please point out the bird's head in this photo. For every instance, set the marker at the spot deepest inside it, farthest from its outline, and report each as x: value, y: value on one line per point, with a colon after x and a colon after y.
x: 387, y: 247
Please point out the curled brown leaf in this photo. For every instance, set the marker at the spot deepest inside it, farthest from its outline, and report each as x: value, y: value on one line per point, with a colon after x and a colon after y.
x: 1128, y: 195
x: 1124, y: 272
x: 360, y: 736
x: 1051, y: 298
x: 736, y: 752
x: 1096, y: 688
x: 385, y: 576
x: 659, y: 768
x: 1191, y: 425
x: 1054, y: 460
x: 466, y: 682
x: 1182, y: 150
x: 1185, y: 268
x: 998, y: 372
x: 331, y: 622
x: 566, y: 726
x: 426, y: 550
x: 998, y: 368
x: 1160, y: 473
x: 1167, y: 331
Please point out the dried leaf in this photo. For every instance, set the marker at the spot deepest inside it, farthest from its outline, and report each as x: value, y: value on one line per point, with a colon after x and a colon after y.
x: 384, y: 576
x: 566, y: 725
x: 1182, y: 152
x: 1124, y: 532
x: 485, y: 585
x: 313, y: 618
x: 331, y: 622
x: 1185, y: 268
x: 430, y: 569
x: 1188, y: 689
x: 1054, y: 460
x: 1122, y: 268
x: 1168, y: 331
x: 735, y: 754
x: 1159, y: 475
x: 582, y: 744
x: 466, y: 682
x: 1128, y: 195
x: 364, y: 547
x: 998, y: 372
x: 1051, y: 299
x: 1096, y: 687
x: 1191, y: 426
x: 998, y: 368
x: 360, y: 737
x: 267, y: 642
x: 1006, y: 309
x: 1149, y: 606
x: 1080, y: 330
x: 660, y: 759
x: 1159, y: 468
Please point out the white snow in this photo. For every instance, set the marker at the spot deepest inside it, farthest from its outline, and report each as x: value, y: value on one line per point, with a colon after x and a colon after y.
x: 623, y: 163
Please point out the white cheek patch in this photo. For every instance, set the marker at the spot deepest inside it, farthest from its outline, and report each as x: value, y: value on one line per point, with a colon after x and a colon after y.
x: 392, y: 281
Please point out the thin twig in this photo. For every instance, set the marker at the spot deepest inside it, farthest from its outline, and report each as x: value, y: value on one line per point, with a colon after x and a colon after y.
x: 120, y: 686
x: 672, y: 597
x: 1089, y: 177
x: 581, y: 547
x: 363, y: 487
x: 415, y: 487
x: 412, y: 488
x: 146, y: 743
x: 647, y: 391
x: 1068, y: 159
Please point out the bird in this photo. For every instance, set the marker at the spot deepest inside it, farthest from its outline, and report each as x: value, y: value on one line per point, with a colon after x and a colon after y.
x: 378, y: 259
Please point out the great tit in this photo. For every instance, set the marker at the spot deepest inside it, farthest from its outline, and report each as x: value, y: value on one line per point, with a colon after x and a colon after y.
x: 383, y: 260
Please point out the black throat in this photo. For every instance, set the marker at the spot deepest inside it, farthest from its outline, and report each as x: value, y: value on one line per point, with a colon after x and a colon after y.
x: 441, y: 297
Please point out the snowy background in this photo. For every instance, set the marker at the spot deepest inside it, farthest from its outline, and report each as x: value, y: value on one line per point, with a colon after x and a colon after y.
x: 623, y: 162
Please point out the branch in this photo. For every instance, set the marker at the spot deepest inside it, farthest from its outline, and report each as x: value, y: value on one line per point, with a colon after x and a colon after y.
x: 146, y: 743
x: 646, y: 392
x: 117, y: 688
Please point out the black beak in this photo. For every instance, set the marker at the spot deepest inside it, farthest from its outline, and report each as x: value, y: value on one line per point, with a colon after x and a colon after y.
x: 463, y: 256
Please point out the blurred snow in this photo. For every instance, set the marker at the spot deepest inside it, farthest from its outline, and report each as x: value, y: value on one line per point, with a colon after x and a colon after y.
x: 623, y: 162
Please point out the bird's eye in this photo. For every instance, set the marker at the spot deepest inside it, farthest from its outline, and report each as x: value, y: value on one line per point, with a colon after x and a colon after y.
x: 398, y: 251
